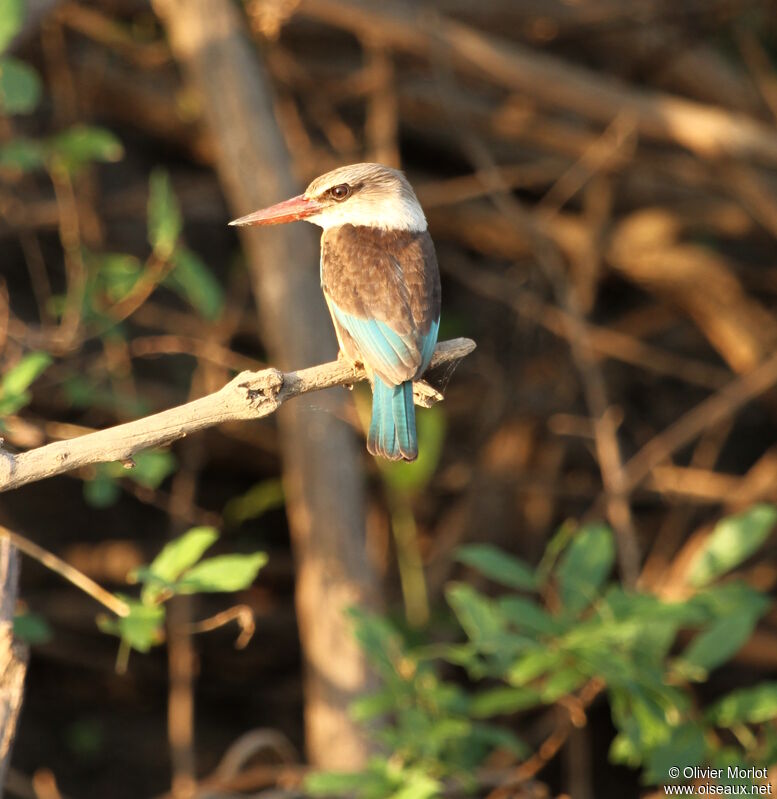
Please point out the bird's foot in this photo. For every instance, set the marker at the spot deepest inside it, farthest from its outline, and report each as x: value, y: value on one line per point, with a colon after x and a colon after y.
x: 341, y: 356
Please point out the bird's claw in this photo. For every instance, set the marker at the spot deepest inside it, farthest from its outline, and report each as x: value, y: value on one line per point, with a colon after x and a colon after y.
x: 341, y: 356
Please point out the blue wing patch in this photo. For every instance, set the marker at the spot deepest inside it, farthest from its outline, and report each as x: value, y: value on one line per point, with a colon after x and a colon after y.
x: 428, y: 343
x: 389, y: 354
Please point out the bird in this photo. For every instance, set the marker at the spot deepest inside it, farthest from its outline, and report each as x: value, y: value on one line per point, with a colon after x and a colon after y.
x: 381, y: 283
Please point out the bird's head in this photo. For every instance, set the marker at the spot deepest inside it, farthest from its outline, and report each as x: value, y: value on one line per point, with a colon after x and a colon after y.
x: 372, y: 195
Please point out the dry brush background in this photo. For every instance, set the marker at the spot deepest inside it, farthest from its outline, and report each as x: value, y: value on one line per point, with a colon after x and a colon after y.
x: 600, y: 178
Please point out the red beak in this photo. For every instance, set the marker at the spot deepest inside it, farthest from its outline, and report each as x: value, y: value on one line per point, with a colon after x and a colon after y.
x: 299, y: 207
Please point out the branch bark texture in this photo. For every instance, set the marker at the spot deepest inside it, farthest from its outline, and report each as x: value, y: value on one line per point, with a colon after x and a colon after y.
x: 249, y: 395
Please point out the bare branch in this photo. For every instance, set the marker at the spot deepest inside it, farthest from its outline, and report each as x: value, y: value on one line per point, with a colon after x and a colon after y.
x: 250, y: 395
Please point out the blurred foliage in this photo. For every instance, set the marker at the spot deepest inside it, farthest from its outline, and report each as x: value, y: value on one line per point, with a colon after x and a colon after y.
x: 114, y: 283
x: 560, y: 629
x: 67, y: 152
x: 15, y: 383
x: 164, y: 216
x: 258, y: 500
x: 20, y: 86
x: 176, y: 571
x: 31, y: 628
x: 149, y: 469
x: 112, y: 276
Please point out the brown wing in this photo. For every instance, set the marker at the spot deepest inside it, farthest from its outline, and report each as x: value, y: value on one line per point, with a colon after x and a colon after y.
x: 386, y: 276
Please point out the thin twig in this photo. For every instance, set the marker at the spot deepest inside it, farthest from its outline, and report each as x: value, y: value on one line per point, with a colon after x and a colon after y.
x: 72, y: 575
x: 242, y: 614
x: 75, y: 268
x: 250, y: 395
x: 711, y: 411
x: 575, y: 706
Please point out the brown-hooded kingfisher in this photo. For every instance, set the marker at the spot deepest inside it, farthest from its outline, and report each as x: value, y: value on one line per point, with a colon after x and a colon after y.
x: 381, y: 282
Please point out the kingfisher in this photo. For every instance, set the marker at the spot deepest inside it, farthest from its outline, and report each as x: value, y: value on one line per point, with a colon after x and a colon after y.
x: 381, y: 282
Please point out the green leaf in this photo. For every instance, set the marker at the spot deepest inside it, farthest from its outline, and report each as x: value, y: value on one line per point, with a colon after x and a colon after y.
x: 641, y: 718
x: 557, y: 544
x: 16, y: 381
x: 497, y: 565
x: 333, y: 783
x: 9, y: 405
x: 164, y: 215
x: 747, y: 705
x: 193, y: 280
x: 222, y: 573
x: 585, y: 565
x: 647, y: 610
x: 459, y: 654
x: 562, y: 682
x: 686, y: 747
x: 478, y: 615
x: 625, y: 751
x: 502, y: 701
x: 533, y: 664
x: 20, y: 86
x: 527, y: 615
x: 373, y: 706
x: 732, y: 541
x: 22, y: 155
x: 151, y: 468
x: 716, y: 645
x: 733, y: 610
x: 419, y: 786
x: 378, y: 638
x: 12, y: 14
x: 31, y: 627
x: 115, y: 274
x: 379, y: 780
x: 730, y: 757
x: 141, y: 629
x: 411, y: 478
x: 182, y: 553
x: 19, y: 377
x: 259, y: 499
x: 81, y: 145
x: 734, y: 598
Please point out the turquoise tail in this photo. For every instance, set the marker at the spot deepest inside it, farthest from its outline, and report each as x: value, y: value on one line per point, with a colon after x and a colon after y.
x: 392, y: 428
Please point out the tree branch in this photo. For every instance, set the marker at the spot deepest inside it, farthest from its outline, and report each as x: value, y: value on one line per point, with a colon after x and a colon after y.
x: 250, y: 395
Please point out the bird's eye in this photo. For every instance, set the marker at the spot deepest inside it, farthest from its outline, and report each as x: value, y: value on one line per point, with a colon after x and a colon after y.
x: 340, y: 192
